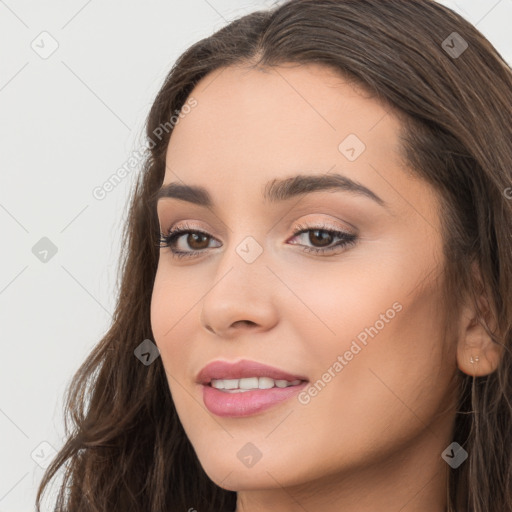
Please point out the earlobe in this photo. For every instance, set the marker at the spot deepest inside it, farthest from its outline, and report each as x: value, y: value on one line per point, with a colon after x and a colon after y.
x: 479, y: 360
x: 477, y: 354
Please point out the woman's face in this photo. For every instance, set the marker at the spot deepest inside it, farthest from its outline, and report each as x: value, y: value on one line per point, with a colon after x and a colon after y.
x: 361, y: 323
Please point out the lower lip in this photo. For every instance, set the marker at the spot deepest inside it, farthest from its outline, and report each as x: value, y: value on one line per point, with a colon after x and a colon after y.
x: 246, y: 403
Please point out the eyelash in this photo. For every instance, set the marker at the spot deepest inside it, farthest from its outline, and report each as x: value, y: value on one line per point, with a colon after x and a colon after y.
x: 347, y: 239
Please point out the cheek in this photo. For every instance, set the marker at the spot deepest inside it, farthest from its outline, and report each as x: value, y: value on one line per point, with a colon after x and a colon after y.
x: 173, y: 298
x: 372, y: 300
x: 376, y: 352
x: 385, y: 371
x: 171, y: 313
x: 172, y: 306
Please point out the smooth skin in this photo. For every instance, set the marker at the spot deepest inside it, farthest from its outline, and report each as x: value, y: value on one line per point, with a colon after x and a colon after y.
x: 372, y: 438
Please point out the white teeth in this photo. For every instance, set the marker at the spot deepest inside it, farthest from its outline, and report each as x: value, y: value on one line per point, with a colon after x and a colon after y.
x: 265, y: 383
x: 248, y: 383
x: 230, y: 383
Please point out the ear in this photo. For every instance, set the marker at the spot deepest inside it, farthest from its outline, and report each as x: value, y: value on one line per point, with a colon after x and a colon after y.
x: 477, y: 354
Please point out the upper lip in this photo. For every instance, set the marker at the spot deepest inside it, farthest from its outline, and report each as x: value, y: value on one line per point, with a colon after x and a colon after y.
x: 241, y: 369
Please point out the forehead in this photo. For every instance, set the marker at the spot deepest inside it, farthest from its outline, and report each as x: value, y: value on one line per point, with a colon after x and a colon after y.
x: 252, y: 125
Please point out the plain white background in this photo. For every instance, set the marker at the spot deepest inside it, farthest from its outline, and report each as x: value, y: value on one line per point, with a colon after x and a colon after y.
x: 69, y: 120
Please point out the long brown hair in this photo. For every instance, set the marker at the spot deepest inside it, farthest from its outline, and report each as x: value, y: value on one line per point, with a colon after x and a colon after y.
x: 126, y: 449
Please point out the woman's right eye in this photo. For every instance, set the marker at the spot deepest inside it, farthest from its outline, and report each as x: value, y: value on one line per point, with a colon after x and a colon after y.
x: 195, y: 239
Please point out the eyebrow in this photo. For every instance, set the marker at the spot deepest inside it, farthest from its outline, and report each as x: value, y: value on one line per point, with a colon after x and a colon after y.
x: 275, y: 190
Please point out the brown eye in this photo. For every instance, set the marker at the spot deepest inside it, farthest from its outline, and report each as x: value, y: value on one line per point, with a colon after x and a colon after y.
x: 197, y: 240
x: 185, y: 241
x: 322, y: 239
x: 320, y: 236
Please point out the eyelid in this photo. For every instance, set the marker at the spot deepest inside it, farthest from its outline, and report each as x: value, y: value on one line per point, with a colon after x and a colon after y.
x: 318, y: 220
x: 188, y: 225
x: 324, y: 224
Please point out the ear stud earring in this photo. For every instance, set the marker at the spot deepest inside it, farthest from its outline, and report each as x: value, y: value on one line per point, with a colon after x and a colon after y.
x: 474, y: 360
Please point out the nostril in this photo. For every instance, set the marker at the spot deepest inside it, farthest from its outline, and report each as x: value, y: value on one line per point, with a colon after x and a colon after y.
x: 244, y: 322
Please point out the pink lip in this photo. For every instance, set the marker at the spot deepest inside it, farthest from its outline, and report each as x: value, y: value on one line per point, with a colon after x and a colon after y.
x: 240, y: 369
x: 245, y: 403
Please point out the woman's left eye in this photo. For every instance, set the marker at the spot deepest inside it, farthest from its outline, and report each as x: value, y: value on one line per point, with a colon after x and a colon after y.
x: 325, y: 236
x: 199, y: 240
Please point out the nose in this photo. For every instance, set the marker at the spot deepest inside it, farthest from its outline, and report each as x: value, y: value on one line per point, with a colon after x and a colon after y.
x: 243, y: 295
